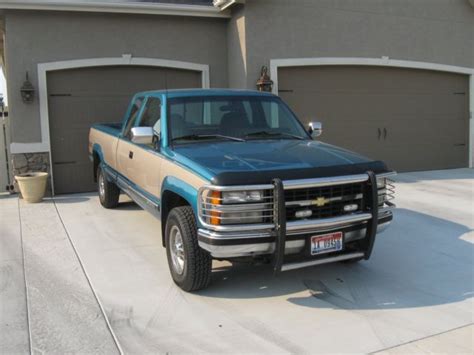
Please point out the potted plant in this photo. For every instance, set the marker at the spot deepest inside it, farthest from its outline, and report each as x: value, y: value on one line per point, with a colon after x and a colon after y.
x: 32, y: 186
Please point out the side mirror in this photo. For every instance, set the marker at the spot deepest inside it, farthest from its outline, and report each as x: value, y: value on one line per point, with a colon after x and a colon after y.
x: 315, y: 129
x: 142, y: 135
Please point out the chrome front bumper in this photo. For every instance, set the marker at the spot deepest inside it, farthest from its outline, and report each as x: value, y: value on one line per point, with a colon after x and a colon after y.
x: 224, y: 245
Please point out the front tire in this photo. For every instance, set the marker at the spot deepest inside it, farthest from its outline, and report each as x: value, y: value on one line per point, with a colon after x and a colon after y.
x: 109, y: 193
x: 190, y: 266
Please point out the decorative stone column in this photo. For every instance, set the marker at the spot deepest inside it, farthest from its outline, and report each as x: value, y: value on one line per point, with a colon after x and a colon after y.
x: 31, y: 162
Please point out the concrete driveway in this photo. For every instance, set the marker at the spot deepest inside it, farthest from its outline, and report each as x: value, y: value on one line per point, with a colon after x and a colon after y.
x: 414, y: 295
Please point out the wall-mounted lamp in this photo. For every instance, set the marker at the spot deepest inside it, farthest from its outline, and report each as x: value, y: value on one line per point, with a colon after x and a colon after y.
x: 264, y: 83
x: 27, y: 90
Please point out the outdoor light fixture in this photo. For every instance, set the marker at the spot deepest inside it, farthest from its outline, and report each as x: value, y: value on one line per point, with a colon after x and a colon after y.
x: 264, y: 83
x: 27, y: 90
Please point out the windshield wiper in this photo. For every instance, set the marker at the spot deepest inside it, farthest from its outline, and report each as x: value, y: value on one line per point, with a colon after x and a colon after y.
x: 272, y: 134
x: 207, y: 136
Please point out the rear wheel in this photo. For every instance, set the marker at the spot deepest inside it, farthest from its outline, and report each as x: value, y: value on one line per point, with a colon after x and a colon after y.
x: 109, y: 193
x: 190, y: 266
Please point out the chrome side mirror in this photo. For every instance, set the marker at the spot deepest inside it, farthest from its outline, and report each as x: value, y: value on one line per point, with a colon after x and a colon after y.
x: 142, y: 135
x: 315, y: 129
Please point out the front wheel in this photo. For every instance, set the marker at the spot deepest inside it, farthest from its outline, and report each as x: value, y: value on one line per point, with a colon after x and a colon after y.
x: 190, y: 266
x: 109, y: 193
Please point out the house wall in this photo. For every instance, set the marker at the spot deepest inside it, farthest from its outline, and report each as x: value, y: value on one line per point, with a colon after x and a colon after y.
x: 237, y: 51
x: 34, y: 37
x: 436, y: 31
x: 426, y: 31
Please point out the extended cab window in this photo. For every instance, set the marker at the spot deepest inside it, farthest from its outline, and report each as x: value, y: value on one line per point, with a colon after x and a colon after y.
x: 151, y: 114
x: 133, y: 116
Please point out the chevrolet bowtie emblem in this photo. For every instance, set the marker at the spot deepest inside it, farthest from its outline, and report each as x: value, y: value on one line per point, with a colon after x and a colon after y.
x: 320, y: 201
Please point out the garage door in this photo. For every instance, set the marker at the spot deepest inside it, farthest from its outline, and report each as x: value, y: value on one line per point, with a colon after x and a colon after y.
x: 81, y: 97
x: 411, y: 119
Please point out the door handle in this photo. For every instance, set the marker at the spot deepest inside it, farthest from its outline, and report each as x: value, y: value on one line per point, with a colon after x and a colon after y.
x: 380, y: 133
x: 130, y: 154
x: 384, y: 133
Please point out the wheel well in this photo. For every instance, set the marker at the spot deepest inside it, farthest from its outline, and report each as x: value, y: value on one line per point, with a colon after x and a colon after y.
x: 96, y: 164
x: 169, y: 200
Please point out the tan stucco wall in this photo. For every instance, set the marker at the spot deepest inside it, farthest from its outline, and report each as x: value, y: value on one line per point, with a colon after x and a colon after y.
x: 436, y: 31
x: 237, y: 51
x: 34, y: 37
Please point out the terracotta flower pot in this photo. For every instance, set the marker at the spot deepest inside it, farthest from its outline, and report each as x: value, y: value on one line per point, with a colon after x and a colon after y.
x: 32, y: 186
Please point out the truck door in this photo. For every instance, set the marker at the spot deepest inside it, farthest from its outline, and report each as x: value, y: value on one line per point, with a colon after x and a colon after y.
x: 141, y: 163
x: 125, y: 148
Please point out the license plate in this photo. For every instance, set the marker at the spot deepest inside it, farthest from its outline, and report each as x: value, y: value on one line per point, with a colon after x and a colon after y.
x: 326, y: 243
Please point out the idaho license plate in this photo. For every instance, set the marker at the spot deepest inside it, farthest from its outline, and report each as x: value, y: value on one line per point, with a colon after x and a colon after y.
x: 326, y: 243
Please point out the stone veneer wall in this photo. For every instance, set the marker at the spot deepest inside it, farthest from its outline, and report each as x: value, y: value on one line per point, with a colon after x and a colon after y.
x: 31, y: 162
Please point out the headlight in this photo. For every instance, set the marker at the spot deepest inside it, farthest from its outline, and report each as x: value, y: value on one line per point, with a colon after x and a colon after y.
x: 236, y: 207
x: 229, y: 197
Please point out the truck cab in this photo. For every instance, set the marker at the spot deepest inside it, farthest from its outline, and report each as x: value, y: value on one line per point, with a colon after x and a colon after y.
x: 234, y: 175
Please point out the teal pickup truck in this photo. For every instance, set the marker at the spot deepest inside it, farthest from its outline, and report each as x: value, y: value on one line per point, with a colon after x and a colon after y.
x: 233, y: 175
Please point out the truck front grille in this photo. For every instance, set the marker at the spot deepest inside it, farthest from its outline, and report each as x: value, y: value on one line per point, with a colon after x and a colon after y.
x: 324, y: 201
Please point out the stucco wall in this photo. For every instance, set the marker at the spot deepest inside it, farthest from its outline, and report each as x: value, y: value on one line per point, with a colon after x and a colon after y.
x: 40, y: 37
x: 437, y: 31
x: 237, y: 52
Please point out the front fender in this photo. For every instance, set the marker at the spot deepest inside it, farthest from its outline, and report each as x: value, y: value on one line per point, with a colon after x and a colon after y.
x: 183, y: 189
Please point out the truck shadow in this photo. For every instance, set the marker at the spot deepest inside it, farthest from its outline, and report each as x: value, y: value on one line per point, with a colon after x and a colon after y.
x: 125, y: 204
x: 420, y: 261
x: 451, y: 175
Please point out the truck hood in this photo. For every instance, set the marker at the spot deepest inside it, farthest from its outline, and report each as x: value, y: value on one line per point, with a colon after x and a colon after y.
x: 267, y: 155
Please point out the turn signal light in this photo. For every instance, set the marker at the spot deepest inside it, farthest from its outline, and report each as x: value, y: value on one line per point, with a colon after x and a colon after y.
x: 215, y: 197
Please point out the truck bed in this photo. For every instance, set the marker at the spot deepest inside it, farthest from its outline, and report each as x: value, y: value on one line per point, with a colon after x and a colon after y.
x: 110, y: 128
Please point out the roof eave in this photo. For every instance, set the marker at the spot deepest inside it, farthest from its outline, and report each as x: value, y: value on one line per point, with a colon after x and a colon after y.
x: 129, y: 8
x: 225, y: 4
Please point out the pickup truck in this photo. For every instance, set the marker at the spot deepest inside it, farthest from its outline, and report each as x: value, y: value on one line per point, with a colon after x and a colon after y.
x: 233, y: 175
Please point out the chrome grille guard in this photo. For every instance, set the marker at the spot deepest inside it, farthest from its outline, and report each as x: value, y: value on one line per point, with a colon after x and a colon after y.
x: 273, y: 205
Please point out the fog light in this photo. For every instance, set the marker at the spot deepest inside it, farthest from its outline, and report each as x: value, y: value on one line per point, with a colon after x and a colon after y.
x: 382, y: 199
x: 303, y: 213
x: 350, y: 208
x: 381, y: 182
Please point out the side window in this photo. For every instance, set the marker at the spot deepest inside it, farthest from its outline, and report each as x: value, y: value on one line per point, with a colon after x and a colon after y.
x: 133, y: 116
x: 151, y: 114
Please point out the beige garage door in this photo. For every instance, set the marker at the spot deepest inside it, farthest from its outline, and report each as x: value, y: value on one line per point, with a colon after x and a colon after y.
x: 411, y: 119
x: 81, y: 97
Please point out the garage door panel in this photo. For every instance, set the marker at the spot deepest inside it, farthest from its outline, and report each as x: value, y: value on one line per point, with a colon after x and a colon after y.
x: 375, y: 105
x: 76, y: 112
x: 80, y: 98
x: 412, y: 119
x: 369, y: 79
x: 413, y: 130
x: 73, y: 177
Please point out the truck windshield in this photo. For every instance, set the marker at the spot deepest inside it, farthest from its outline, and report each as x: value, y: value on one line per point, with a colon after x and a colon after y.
x: 232, y: 118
